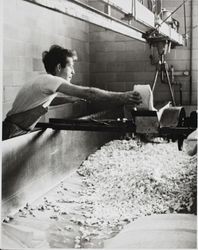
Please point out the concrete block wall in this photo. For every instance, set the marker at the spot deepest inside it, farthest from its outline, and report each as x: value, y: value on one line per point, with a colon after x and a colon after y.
x: 29, y: 30
x: 180, y: 57
x: 118, y: 62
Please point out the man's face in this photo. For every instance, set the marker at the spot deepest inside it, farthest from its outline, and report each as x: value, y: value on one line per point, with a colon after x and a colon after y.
x: 68, y: 71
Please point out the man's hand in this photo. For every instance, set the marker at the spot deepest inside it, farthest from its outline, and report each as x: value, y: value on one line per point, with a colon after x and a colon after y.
x: 132, y: 98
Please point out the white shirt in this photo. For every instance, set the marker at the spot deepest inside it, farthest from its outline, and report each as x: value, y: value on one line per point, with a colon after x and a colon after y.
x: 40, y: 91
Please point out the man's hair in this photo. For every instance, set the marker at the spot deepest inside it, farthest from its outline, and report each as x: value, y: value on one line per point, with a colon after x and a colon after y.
x: 56, y: 55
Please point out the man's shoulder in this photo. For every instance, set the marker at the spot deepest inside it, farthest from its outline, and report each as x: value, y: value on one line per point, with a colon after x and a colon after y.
x: 47, y: 83
x: 44, y: 77
x: 47, y: 78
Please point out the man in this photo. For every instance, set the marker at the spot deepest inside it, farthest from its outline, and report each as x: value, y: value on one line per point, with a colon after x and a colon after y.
x: 35, y: 97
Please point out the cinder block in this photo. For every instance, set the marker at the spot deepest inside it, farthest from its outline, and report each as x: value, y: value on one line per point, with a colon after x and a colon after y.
x: 149, y: 67
x: 82, y: 55
x: 171, y: 55
x: 115, y: 46
x: 194, y: 86
x: 10, y: 63
x: 75, y: 33
x: 10, y: 32
x: 98, y: 46
x: 125, y: 76
x: 105, y: 77
x: 8, y: 78
x: 25, y: 63
x: 108, y: 46
x: 120, y: 37
x: 136, y: 66
x: 95, y: 28
x: 81, y: 79
x: 129, y: 86
x: 132, y: 55
x: 185, y: 84
x: 80, y: 46
x: 98, y: 67
x: 10, y: 93
x: 180, y: 65
x: 183, y: 79
x: 186, y: 97
x: 194, y: 99
x: 103, y: 36
x: 135, y: 45
x: 135, y: 76
x: 103, y: 57
x: 195, y: 75
x: 37, y: 64
x: 116, y: 67
x: 21, y: 77
x: 116, y: 86
x: 195, y: 56
x: 9, y: 48
x: 182, y: 54
x: 100, y: 85
x: 81, y: 67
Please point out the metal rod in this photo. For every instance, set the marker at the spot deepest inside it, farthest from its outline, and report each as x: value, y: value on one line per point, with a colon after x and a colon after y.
x: 123, y: 128
x: 191, y: 52
x: 155, y: 80
x: 90, y: 126
x: 170, y: 87
x: 185, y: 30
x: 180, y: 94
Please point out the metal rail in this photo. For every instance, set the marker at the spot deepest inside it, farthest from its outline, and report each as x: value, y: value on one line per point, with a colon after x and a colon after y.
x: 91, y: 125
x: 110, y: 125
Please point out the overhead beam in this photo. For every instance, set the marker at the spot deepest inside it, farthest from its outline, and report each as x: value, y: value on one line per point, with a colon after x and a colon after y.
x: 91, y: 15
x: 140, y: 13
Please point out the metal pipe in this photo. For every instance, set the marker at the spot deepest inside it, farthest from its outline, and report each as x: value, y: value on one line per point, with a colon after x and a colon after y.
x: 191, y: 52
x: 180, y: 94
x: 185, y: 31
x: 170, y: 87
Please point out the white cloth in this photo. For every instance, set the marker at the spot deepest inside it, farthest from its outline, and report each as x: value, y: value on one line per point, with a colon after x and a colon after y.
x: 38, y: 92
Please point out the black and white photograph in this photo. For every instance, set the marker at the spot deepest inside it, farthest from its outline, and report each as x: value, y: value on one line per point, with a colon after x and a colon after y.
x: 98, y: 124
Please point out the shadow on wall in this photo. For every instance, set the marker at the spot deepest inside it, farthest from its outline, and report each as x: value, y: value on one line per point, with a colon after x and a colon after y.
x: 35, y: 162
x: 23, y: 154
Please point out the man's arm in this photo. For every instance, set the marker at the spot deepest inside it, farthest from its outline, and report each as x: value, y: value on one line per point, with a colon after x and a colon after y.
x: 64, y: 100
x: 95, y: 94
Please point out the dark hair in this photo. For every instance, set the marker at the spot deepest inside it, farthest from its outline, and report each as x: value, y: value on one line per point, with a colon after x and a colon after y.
x: 56, y: 55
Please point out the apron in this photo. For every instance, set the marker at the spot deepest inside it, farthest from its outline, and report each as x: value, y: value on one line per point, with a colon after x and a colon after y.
x: 22, y: 123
